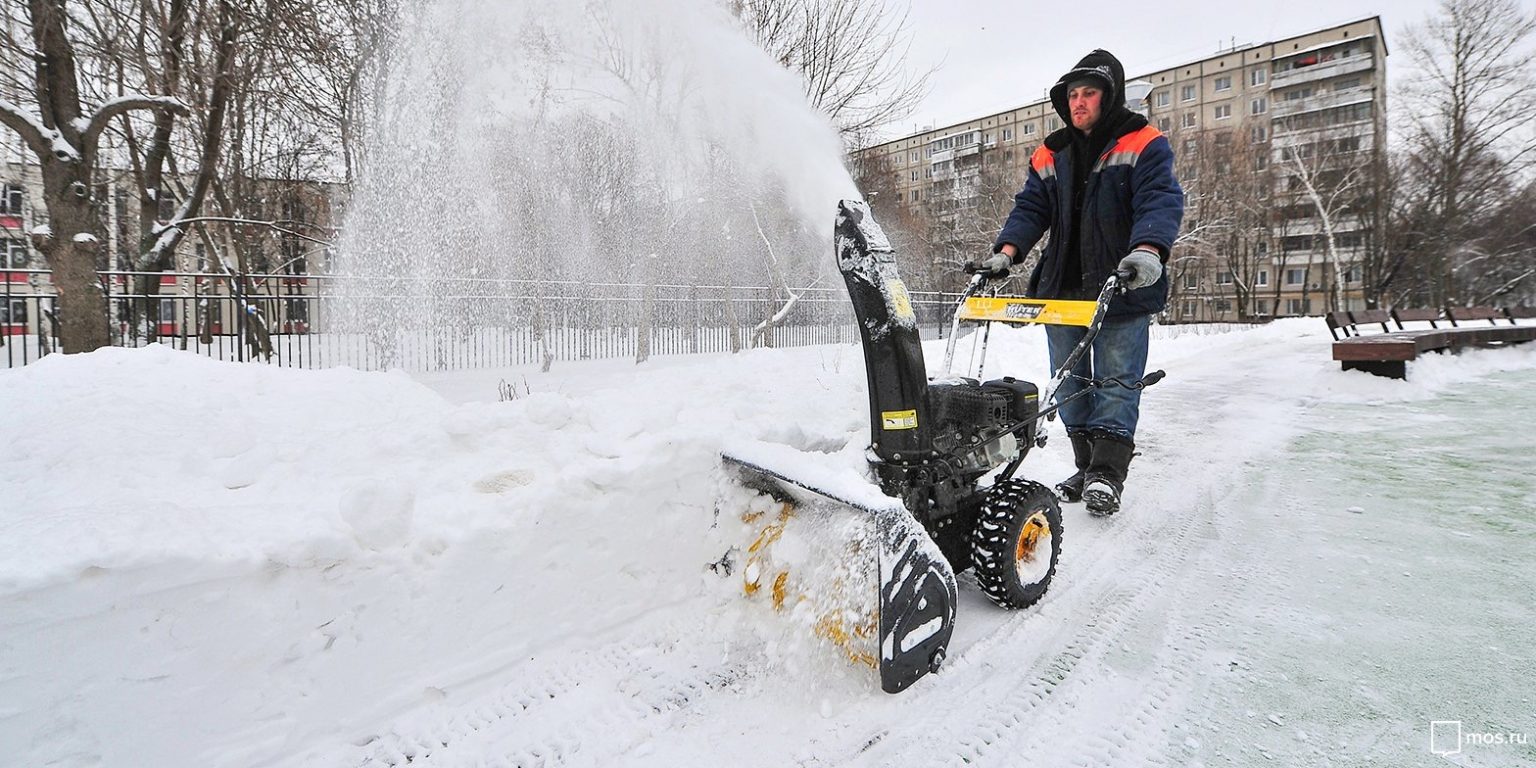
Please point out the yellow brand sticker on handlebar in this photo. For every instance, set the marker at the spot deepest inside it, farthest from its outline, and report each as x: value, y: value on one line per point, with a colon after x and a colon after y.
x: 892, y: 420
x: 901, y: 304
x: 1006, y: 309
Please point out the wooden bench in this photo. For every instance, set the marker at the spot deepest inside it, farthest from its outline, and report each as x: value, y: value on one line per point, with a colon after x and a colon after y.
x: 1348, y: 323
x: 1432, y: 316
x: 1459, y: 315
x: 1388, y: 353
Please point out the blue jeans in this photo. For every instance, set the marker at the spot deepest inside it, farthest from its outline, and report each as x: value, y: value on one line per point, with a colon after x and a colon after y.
x: 1119, y: 351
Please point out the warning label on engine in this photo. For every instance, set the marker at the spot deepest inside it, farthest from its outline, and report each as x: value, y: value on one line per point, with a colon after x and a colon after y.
x: 898, y: 419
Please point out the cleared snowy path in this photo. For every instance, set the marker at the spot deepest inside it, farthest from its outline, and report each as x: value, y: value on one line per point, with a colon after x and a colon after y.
x: 523, y: 583
x: 1151, y: 611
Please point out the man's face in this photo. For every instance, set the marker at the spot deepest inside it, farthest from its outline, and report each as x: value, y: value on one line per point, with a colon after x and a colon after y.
x: 1084, y: 103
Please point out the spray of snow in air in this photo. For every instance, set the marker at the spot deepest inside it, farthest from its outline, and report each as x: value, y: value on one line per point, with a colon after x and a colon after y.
x: 621, y: 141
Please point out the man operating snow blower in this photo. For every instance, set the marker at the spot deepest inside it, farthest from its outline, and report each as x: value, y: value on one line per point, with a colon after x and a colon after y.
x: 1104, y: 186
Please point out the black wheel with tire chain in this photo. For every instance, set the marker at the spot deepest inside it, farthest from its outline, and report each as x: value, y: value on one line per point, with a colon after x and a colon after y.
x: 1016, y: 543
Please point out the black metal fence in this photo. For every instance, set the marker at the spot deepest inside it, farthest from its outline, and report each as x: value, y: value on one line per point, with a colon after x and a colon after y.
x: 314, y: 321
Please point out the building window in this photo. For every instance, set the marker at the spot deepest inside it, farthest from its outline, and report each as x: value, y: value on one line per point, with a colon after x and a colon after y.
x: 1258, y: 106
x: 1189, y: 308
x: 1162, y: 98
x: 1347, y: 84
x: 1352, y: 275
x: 1007, y: 134
x: 1258, y: 76
x: 13, y: 254
x: 1296, y: 94
x: 10, y: 200
x: 1261, y: 280
x: 1260, y: 158
x: 1029, y: 129
x: 1295, y: 275
x: 1188, y: 93
x: 916, y: 196
x: 1163, y: 124
x: 1223, y: 305
x: 1223, y: 278
x: 1224, y: 83
x: 914, y: 175
x: 1188, y: 121
x: 15, y: 313
x: 1298, y: 306
x: 1223, y: 111
x: 1191, y: 281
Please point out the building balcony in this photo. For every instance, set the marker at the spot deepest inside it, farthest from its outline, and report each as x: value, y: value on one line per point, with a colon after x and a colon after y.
x: 1280, y: 138
x: 1280, y: 108
x: 1345, y: 223
x: 1363, y: 62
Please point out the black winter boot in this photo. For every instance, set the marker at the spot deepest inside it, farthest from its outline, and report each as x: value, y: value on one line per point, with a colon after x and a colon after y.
x: 1071, y: 489
x: 1106, y: 474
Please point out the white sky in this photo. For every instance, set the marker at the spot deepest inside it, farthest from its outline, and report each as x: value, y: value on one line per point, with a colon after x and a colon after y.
x: 993, y: 55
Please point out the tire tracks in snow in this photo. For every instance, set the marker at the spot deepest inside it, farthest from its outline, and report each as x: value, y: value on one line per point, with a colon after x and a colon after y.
x: 569, y: 709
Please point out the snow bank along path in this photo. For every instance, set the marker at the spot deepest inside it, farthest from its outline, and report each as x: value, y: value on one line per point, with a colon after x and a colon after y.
x: 215, y: 564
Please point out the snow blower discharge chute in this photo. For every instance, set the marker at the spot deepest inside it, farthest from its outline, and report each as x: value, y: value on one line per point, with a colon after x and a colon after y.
x: 938, y: 504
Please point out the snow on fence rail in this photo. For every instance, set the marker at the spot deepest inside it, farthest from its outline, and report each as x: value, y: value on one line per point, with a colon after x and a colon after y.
x: 321, y: 321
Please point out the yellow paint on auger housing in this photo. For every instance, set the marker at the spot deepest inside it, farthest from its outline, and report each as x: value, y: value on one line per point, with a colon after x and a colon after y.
x: 901, y: 303
x: 854, y: 635
x: 1021, y: 311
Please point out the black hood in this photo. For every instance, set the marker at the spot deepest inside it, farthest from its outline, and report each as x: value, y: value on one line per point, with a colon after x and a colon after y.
x: 1101, y: 65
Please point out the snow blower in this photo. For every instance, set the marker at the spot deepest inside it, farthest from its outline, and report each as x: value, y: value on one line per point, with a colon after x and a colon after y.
x: 938, y: 504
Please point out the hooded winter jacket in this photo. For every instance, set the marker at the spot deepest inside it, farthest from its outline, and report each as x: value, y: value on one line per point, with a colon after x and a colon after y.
x: 1129, y: 196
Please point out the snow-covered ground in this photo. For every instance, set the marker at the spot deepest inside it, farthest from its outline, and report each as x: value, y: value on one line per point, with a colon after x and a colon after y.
x: 213, y: 564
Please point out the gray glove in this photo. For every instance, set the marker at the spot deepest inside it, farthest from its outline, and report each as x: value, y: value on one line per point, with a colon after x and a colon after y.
x: 993, y: 266
x: 1145, y: 268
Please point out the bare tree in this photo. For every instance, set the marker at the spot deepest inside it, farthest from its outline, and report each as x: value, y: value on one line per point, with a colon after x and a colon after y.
x: 1467, y: 138
x: 851, y: 56
x: 65, y: 136
x: 1330, y: 179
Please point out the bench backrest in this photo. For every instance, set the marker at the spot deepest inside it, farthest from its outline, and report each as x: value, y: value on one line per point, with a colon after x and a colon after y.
x: 1431, y: 316
x: 1467, y: 314
x: 1520, y: 313
x: 1340, y: 322
x: 1368, y: 316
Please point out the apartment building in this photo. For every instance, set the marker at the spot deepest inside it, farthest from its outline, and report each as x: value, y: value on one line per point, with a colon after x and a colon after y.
x: 1277, y: 145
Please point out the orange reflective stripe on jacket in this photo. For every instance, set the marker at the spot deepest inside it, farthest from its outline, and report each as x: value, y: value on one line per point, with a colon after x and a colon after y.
x: 1044, y: 162
x: 1129, y: 148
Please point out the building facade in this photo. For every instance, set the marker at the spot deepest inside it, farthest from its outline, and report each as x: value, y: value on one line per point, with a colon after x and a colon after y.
x: 276, y: 254
x: 1278, y: 145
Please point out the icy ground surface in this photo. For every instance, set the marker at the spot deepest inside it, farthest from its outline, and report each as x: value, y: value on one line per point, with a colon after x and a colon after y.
x: 208, y: 564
